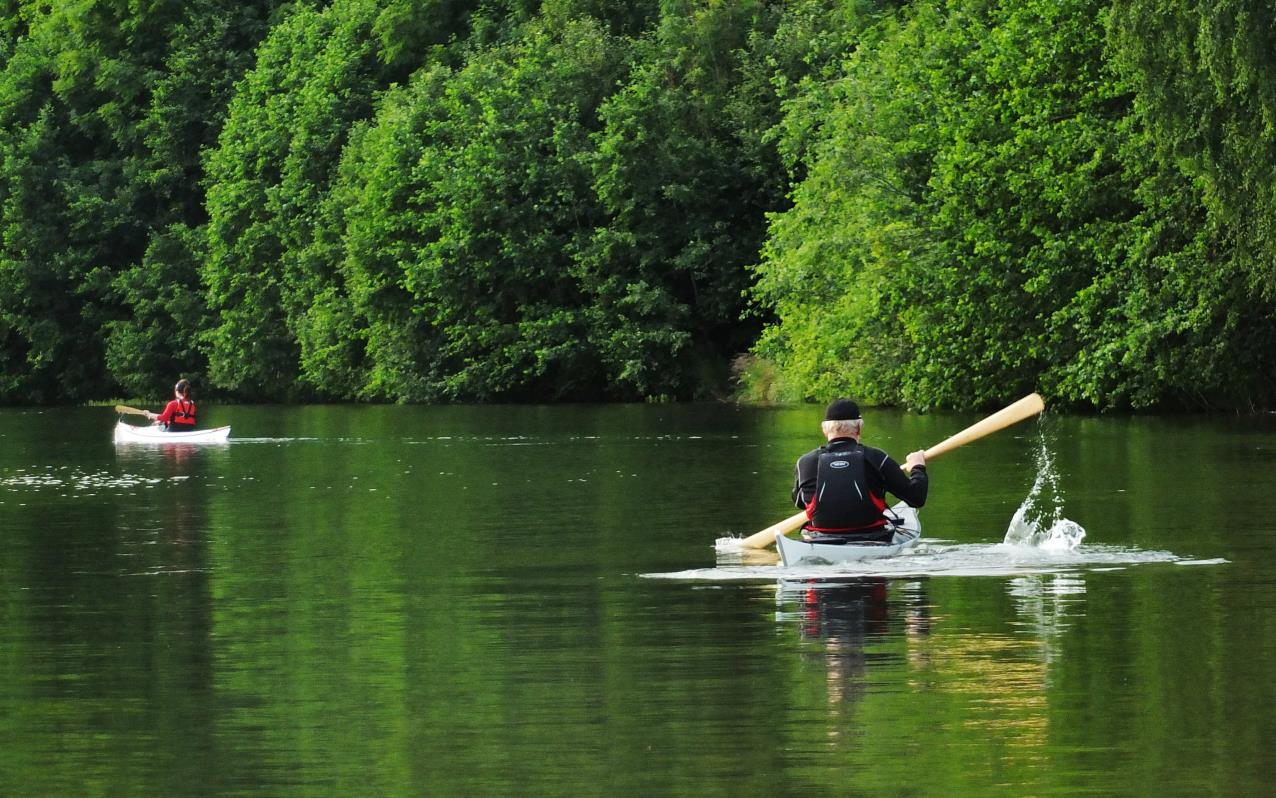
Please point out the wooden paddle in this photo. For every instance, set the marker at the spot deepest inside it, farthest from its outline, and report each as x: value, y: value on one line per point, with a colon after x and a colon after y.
x: 132, y: 411
x: 1025, y: 408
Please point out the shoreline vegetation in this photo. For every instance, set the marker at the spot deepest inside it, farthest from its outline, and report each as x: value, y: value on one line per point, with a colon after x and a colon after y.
x: 930, y: 204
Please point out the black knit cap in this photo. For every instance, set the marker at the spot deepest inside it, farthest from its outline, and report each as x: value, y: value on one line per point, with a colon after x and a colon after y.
x: 842, y: 410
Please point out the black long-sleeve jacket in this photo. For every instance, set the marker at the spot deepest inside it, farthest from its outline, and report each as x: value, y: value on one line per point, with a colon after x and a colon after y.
x: 881, y: 472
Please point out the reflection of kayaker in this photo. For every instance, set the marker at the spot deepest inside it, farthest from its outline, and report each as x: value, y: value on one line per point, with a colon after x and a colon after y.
x: 856, y: 623
x: 179, y: 414
x: 847, y: 612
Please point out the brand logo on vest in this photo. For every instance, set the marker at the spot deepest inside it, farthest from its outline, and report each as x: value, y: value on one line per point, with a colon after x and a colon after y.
x: 839, y: 464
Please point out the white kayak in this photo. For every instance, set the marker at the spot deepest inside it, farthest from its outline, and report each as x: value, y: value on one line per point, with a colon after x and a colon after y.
x: 129, y: 433
x: 908, y: 530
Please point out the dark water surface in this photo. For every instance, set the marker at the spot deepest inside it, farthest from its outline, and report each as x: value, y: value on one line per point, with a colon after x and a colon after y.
x: 458, y: 601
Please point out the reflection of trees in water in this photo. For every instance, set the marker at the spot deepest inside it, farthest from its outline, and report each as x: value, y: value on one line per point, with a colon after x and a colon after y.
x: 168, y: 527
x: 184, y: 527
x: 1001, y: 681
x: 109, y: 644
x: 882, y: 638
x: 1046, y: 601
x: 997, y: 685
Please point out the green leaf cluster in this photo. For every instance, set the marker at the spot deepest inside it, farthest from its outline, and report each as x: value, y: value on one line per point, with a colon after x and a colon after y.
x: 104, y: 110
x: 558, y: 207
x: 998, y: 200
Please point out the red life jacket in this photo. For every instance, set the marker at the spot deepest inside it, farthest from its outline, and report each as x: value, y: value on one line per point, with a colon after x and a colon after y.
x: 180, y: 414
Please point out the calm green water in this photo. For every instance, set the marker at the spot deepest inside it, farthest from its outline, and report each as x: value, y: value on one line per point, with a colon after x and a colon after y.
x: 477, y: 601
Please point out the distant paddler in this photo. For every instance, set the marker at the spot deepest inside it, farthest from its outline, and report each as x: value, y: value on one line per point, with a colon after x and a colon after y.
x: 174, y: 424
x: 842, y: 485
x: 179, y: 414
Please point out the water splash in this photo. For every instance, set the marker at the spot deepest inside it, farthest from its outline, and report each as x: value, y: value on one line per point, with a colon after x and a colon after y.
x: 1039, y: 522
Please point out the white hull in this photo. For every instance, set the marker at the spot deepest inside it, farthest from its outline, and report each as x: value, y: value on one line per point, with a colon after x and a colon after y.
x: 128, y: 433
x: 907, y: 533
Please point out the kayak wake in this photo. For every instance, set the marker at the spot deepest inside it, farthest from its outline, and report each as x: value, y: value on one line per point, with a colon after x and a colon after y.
x: 938, y: 558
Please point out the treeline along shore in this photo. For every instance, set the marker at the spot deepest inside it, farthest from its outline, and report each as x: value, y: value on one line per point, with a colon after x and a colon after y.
x: 932, y: 204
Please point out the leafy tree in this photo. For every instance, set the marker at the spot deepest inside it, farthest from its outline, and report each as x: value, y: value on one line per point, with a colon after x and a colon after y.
x: 12, y: 27
x: 685, y: 177
x: 534, y: 266
x: 1030, y: 199
x: 157, y: 343
x: 986, y: 212
x: 859, y: 215
x: 160, y: 299
x: 315, y: 76
x: 1170, y: 325
x: 1206, y: 80
x: 966, y: 188
x: 1185, y: 318
x: 460, y: 248
x: 95, y: 160
x: 71, y: 96
x: 272, y: 265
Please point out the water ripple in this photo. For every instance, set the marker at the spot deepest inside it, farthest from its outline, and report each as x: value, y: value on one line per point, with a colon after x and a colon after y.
x: 933, y: 558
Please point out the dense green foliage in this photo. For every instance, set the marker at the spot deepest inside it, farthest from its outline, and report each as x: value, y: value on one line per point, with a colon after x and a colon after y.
x: 104, y: 109
x: 936, y: 203
x: 1012, y: 196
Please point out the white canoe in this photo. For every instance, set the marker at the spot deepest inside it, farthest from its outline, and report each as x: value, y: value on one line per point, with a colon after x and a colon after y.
x: 129, y: 433
x: 908, y: 530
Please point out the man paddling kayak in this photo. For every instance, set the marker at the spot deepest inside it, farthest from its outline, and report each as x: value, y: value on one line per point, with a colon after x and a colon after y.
x: 179, y: 414
x: 842, y: 486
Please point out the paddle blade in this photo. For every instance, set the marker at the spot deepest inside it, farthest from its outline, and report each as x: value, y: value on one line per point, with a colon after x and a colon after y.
x: 131, y: 411
x: 1025, y: 408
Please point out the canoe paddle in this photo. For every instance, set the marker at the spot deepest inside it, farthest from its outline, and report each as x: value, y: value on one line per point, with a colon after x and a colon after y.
x: 132, y: 411
x: 1025, y: 408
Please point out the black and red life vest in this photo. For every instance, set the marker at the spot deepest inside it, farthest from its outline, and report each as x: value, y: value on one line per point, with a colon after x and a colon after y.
x: 182, y: 417
x: 842, y: 501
